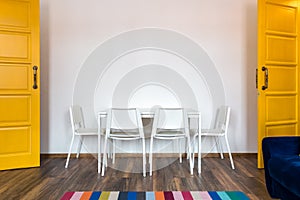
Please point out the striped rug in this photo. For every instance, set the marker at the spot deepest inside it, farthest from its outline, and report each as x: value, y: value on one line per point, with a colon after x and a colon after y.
x: 165, y: 195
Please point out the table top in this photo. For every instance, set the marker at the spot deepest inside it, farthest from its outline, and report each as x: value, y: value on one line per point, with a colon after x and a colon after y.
x: 150, y: 114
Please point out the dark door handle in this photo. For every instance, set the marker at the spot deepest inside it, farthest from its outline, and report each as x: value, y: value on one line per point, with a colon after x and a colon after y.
x: 264, y: 69
x: 35, y: 86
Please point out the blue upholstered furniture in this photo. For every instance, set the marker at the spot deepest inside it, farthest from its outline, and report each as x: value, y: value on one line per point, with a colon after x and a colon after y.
x: 282, y: 166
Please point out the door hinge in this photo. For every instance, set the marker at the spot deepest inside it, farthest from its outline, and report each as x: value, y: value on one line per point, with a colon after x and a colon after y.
x: 256, y: 79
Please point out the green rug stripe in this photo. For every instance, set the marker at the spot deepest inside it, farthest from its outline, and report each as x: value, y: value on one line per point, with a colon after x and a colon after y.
x: 237, y: 195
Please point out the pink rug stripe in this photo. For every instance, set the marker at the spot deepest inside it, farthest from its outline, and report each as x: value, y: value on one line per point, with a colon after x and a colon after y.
x: 205, y: 195
x: 76, y: 196
x: 177, y: 195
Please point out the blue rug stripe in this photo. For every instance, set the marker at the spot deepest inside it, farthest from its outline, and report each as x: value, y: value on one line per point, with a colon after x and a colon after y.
x: 150, y: 196
x: 95, y: 195
x: 123, y: 196
x: 131, y: 196
x: 214, y: 195
x: 223, y: 195
x: 141, y: 196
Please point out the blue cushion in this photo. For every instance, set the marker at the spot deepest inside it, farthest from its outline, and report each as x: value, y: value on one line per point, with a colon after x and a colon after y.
x: 286, y: 171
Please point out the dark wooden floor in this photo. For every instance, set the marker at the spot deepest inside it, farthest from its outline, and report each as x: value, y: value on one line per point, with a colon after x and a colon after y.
x: 52, y: 180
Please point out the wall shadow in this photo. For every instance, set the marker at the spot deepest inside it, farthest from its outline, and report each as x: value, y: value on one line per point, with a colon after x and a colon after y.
x: 44, y: 79
x: 251, y: 65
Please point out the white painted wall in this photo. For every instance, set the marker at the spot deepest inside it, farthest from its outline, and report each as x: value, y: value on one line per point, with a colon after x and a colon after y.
x: 71, y: 30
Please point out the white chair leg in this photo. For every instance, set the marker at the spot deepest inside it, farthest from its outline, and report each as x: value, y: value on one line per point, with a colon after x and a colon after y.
x: 104, y: 157
x: 188, y: 155
x: 79, y: 146
x: 199, y: 154
x: 114, y: 151
x: 108, y: 145
x: 189, y: 152
x: 69, y: 154
x: 180, y: 153
x: 99, y: 154
x: 229, y: 152
x: 193, y: 150
x: 144, y: 157
x: 150, y: 156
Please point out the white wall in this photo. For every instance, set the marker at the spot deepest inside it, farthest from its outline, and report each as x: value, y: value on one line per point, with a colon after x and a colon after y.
x: 72, y: 30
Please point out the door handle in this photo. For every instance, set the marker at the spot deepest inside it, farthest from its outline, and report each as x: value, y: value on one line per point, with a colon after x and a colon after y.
x: 35, y: 86
x: 264, y: 69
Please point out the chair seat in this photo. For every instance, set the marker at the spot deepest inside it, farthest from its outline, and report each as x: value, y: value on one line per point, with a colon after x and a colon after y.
x: 212, y: 132
x: 88, y: 131
x: 170, y: 133
x: 124, y: 135
x: 125, y: 130
x: 207, y: 132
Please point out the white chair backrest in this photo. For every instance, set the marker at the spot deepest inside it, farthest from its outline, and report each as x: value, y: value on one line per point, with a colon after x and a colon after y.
x: 172, y: 119
x: 124, y: 119
x: 76, y: 117
x: 222, y: 119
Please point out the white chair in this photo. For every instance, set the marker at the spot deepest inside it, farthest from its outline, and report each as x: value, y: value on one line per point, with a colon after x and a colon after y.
x: 219, y: 131
x: 79, y: 129
x: 170, y: 124
x: 124, y: 124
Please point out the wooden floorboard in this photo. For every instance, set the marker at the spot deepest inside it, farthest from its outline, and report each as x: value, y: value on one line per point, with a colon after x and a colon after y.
x: 52, y: 180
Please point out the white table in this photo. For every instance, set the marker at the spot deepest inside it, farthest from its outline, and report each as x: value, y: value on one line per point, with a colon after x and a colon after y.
x: 145, y: 114
x: 150, y: 114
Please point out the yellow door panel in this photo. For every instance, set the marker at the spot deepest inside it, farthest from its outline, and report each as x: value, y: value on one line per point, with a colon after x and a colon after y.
x: 277, y: 70
x: 284, y: 3
x: 15, y: 140
x: 287, y: 105
x: 17, y: 148
x: 286, y: 22
x: 15, y: 77
x: 281, y: 130
x: 19, y: 18
x: 19, y: 100
x: 15, y: 110
x: 14, y: 46
x: 281, y: 49
x: 279, y: 75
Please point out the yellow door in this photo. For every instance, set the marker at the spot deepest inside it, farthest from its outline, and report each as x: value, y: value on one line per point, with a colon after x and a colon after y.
x: 19, y: 84
x: 278, y: 68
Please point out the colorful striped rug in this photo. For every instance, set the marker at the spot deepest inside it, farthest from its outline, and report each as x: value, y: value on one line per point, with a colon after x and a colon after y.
x: 166, y: 195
